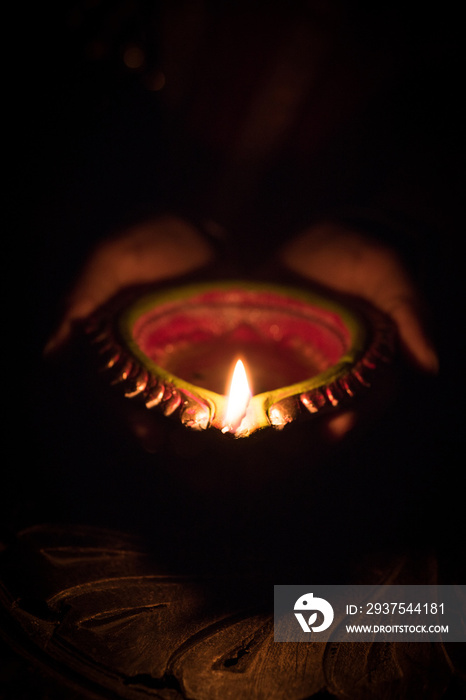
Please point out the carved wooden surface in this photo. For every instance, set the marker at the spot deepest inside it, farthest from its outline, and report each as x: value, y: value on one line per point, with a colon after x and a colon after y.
x: 94, y: 611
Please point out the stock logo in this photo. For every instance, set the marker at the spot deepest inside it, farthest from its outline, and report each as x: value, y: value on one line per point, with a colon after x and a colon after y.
x: 308, y: 603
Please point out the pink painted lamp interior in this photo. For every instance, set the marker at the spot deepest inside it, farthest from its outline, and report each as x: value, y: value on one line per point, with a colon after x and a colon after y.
x: 282, y: 339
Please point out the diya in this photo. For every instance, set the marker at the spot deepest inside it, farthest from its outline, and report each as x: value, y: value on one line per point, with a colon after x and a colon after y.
x: 298, y: 352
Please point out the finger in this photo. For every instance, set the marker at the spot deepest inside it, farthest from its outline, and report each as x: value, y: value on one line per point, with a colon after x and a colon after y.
x: 81, y: 309
x: 339, y: 425
x: 148, y: 432
x: 413, y: 337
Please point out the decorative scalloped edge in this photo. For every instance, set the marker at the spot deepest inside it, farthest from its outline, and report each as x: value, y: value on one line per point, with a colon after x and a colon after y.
x: 345, y: 387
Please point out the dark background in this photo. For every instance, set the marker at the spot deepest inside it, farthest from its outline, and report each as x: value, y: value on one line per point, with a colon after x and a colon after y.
x: 93, y: 149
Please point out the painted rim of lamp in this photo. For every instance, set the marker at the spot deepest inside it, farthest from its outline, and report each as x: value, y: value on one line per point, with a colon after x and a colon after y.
x: 371, y: 345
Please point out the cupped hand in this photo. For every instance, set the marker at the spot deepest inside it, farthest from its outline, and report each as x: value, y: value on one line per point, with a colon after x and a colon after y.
x: 350, y: 262
x: 152, y: 251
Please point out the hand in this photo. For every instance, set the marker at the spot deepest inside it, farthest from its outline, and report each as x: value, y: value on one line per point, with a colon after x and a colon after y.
x: 351, y: 263
x: 148, y: 252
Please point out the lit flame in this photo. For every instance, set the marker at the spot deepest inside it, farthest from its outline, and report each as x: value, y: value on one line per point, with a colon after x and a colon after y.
x: 238, y: 399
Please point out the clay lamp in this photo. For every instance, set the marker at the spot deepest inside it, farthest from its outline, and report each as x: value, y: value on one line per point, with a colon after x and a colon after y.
x: 281, y: 354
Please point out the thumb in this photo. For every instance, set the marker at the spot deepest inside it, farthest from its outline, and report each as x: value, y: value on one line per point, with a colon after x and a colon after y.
x: 416, y: 343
